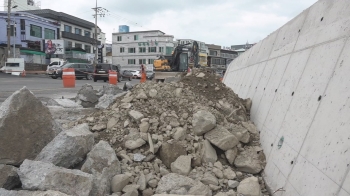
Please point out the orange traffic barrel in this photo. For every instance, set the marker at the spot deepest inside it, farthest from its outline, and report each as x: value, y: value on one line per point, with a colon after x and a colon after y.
x: 113, y: 77
x: 68, y: 77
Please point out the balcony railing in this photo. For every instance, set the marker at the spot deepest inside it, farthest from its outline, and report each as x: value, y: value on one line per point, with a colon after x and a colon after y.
x: 80, y: 38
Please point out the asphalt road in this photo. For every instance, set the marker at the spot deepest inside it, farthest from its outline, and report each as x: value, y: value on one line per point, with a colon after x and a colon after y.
x: 44, y: 86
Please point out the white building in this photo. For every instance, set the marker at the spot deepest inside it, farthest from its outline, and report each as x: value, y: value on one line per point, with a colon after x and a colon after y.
x: 131, y: 49
x: 21, y: 5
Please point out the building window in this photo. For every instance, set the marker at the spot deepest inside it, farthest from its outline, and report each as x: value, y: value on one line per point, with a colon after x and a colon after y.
x: 49, y: 33
x: 142, y: 61
x: 119, y: 38
x: 131, y: 61
x: 161, y: 49
x: 67, y: 28
x: 131, y: 50
x: 23, y: 24
x: 169, y: 50
x: 87, y: 33
x: 77, y: 31
x: 213, y: 53
x: 150, y: 61
x: 12, y: 30
x: 69, y: 44
x: 152, y: 49
x: 88, y: 48
x: 35, y: 31
x: 142, y: 49
x: 136, y: 37
x: 122, y: 50
x: 78, y: 45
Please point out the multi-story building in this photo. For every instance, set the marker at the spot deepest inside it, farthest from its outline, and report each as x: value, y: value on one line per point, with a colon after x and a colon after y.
x: 214, y: 58
x: 131, y: 49
x: 28, y: 33
x: 203, y: 50
x: 241, y: 48
x: 77, y: 34
x: 20, y: 5
x: 228, y: 55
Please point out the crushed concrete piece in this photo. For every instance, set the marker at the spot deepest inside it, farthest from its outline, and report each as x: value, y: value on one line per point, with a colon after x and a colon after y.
x: 142, y: 182
x: 69, y: 147
x: 8, y: 177
x: 200, y: 75
x: 130, y: 188
x: 180, y: 133
x: 99, y: 127
x: 126, y: 105
x: 136, y: 115
x: 153, y: 183
x: 231, y: 155
x: 87, y: 96
x: 250, y: 187
x: 209, y: 178
x: 249, y: 161
x: 112, y: 122
x: 103, y: 163
x: 119, y: 182
x: 148, y: 192
x: 139, y: 157
x: 36, y: 175
x: 133, y: 144
x: 233, y: 184
x: 20, y: 129
x: 182, y: 165
x: 229, y: 174
x: 127, y: 99
x: 221, y: 138
x: 203, y: 122
x: 208, y: 153
x: 152, y: 93
x: 172, y: 182
x: 218, y: 173
x: 132, y: 193
x: 141, y: 94
x: 5, y: 192
x: 144, y: 126
x: 170, y: 152
x: 218, y: 165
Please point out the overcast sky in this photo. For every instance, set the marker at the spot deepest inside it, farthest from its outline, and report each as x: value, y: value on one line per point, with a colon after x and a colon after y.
x: 221, y: 22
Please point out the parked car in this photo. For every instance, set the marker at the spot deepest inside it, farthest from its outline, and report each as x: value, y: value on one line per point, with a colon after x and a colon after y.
x: 102, y: 69
x: 136, y: 73
x: 150, y: 75
x: 126, y: 74
x: 82, y: 70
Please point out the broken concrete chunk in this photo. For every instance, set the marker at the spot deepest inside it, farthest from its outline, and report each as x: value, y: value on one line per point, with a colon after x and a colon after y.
x: 221, y: 138
x: 8, y: 177
x: 208, y: 153
x: 141, y: 94
x: 136, y: 115
x: 31, y: 193
x: 152, y: 93
x: 119, y: 182
x: 169, y: 152
x: 249, y: 186
x: 69, y: 147
x: 87, y: 96
x: 231, y: 155
x: 99, y: 127
x: 103, y: 163
x: 20, y: 129
x: 249, y: 161
x: 182, y: 165
x: 180, y: 133
x: 144, y: 126
x: 203, y: 121
x: 209, y: 178
x: 133, y: 144
x: 36, y: 175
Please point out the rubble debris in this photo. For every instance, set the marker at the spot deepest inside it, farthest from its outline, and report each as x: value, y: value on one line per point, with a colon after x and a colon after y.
x: 9, y: 178
x: 31, y: 193
x: 37, y: 175
x: 87, y: 96
x: 189, y: 136
x: 18, y: 122
x: 69, y: 147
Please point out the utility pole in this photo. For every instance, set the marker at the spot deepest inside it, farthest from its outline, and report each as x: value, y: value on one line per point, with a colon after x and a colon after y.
x: 99, y: 11
x: 8, y: 28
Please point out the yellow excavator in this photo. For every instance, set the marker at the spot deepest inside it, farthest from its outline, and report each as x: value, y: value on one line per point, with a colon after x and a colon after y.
x: 172, y: 65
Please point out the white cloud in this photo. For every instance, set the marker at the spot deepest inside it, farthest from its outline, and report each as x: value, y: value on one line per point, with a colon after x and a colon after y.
x: 222, y: 22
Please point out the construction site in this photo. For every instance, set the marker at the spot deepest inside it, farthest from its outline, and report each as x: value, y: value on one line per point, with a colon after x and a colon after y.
x: 275, y: 124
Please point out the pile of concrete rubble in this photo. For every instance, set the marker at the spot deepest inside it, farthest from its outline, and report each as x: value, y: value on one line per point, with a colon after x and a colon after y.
x: 189, y: 137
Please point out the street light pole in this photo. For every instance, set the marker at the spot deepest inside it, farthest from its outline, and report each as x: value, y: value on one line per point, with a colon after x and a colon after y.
x: 95, y: 61
x: 8, y: 28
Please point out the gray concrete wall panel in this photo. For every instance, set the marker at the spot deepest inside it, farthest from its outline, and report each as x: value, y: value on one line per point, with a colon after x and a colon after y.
x: 311, y: 108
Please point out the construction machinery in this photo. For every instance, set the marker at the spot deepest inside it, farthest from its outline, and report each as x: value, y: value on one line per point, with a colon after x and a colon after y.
x: 177, y: 63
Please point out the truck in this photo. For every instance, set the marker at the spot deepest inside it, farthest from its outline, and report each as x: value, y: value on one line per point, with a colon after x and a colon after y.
x: 14, y: 66
x: 54, y: 64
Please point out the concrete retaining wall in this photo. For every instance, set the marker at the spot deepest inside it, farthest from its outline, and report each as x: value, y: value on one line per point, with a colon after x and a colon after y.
x: 299, y: 80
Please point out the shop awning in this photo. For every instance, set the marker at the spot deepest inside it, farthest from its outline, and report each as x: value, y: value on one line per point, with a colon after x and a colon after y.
x: 33, y: 52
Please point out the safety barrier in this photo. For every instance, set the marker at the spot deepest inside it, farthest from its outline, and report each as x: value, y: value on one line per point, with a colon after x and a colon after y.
x: 113, y: 77
x: 68, y: 78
